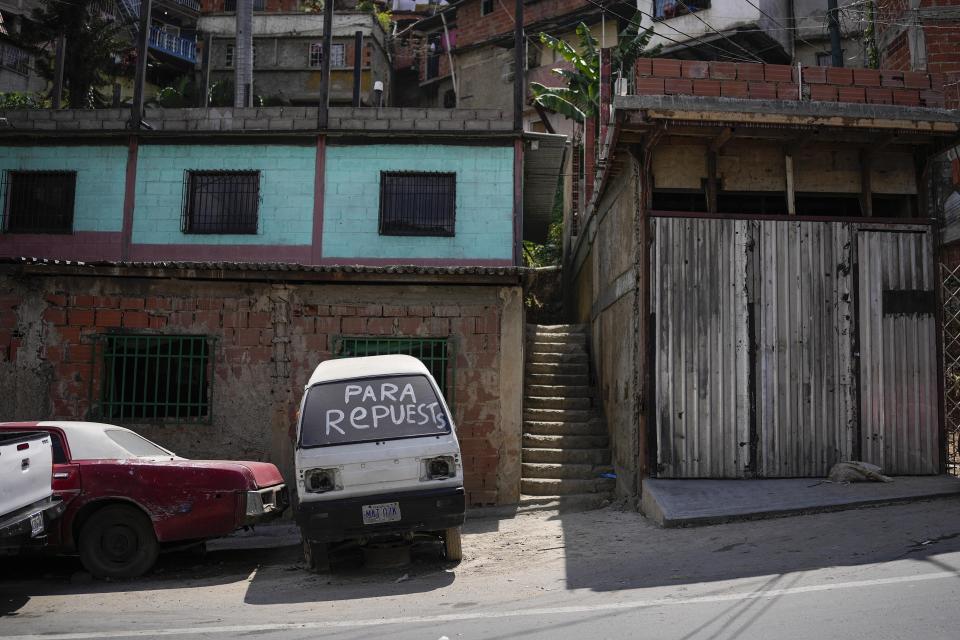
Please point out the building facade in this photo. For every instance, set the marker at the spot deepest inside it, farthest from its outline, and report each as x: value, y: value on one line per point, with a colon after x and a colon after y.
x: 185, y: 281
x: 758, y: 264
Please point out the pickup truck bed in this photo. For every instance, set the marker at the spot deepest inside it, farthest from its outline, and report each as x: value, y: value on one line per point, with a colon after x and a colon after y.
x: 27, y: 503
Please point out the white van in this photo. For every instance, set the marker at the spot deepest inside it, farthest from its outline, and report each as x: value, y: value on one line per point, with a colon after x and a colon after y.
x: 377, y: 457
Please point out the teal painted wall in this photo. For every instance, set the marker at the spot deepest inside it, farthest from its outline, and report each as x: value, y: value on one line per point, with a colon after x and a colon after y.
x: 484, y: 214
x: 101, y: 171
x: 286, y: 191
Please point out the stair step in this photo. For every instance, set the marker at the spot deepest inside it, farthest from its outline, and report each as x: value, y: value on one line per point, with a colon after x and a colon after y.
x: 550, y: 486
x: 565, y: 358
x: 557, y: 368
x: 557, y: 379
x: 563, y: 471
x: 539, y: 414
x: 575, y: 456
x: 558, y: 390
x: 591, y: 428
x: 557, y: 328
x: 537, y: 441
x: 569, y: 503
x: 540, y: 346
x: 561, y: 403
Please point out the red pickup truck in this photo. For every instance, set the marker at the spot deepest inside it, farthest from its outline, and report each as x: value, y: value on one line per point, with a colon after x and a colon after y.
x: 126, y: 497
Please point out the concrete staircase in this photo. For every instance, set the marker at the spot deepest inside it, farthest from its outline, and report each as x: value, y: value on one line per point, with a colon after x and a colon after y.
x: 565, y: 443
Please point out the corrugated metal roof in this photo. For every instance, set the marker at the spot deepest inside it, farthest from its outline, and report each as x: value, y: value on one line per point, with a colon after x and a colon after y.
x: 280, y: 266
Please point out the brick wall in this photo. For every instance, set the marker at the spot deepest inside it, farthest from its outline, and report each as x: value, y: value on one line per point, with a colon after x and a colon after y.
x: 268, y: 338
x: 473, y: 28
x: 659, y: 76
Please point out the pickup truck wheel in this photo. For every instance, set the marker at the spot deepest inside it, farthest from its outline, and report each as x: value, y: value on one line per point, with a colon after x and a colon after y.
x: 317, y: 556
x: 118, y: 542
x: 451, y: 544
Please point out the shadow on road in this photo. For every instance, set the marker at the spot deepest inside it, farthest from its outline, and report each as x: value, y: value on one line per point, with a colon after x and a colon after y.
x: 349, y: 579
x: 607, y: 550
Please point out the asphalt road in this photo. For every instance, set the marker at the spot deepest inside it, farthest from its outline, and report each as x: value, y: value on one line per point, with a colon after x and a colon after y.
x: 872, y: 574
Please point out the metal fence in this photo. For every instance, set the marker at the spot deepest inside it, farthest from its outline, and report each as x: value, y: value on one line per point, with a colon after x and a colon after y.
x: 951, y: 363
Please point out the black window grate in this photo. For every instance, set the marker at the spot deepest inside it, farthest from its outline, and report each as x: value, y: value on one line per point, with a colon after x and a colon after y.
x: 417, y: 204
x: 39, y: 201
x: 221, y: 202
x: 149, y: 377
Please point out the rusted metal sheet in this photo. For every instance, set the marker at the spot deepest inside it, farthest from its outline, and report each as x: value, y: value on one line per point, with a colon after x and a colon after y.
x: 898, y: 358
x: 806, y: 392
x: 700, y: 325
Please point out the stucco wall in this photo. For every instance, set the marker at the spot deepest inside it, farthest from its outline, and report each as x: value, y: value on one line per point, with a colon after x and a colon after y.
x: 484, y: 205
x: 286, y: 192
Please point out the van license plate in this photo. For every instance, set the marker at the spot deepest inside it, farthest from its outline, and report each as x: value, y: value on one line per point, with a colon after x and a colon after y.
x: 376, y: 513
x: 36, y: 525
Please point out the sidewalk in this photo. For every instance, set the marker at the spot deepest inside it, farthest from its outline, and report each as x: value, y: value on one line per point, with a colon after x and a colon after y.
x: 680, y: 503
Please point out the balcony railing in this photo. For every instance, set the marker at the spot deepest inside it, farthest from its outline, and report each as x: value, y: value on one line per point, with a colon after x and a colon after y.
x: 182, y: 48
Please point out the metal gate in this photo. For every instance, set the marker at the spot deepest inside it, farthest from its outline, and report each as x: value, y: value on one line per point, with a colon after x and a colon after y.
x: 756, y: 370
x: 899, y: 417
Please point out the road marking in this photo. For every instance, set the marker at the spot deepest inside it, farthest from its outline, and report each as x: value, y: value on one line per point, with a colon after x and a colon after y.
x: 485, y: 615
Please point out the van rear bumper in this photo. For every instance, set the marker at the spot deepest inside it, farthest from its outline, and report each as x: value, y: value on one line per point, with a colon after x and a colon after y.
x: 423, y: 510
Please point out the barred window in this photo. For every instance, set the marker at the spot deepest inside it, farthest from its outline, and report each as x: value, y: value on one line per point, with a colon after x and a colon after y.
x: 338, y: 56
x: 665, y: 9
x: 15, y: 58
x: 221, y: 202
x: 437, y: 354
x: 229, y: 54
x: 486, y: 7
x: 316, y: 54
x: 149, y: 377
x: 39, y: 201
x: 417, y: 204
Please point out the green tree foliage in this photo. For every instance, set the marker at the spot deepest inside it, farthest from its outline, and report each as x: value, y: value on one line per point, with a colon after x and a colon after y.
x: 580, y: 98
x: 94, y: 44
x: 23, y: 100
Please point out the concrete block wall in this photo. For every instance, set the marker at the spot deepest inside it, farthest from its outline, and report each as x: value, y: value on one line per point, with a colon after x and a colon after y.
x: 268, y: 339
x: 98, y: 199
x: 659, y: 76
x: 285, y: 215
x: 272, y: 119
x: 484, y: 202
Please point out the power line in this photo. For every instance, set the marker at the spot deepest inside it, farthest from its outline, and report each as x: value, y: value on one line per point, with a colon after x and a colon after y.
x: 777, y: 22
x: 723, y: 53
x: 696, y: 14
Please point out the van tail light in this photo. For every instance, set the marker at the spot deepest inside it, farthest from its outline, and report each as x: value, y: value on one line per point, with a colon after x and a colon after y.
x: 439, y: 468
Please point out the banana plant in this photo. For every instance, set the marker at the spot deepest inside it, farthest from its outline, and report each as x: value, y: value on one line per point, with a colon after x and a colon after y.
x: 580, y: 98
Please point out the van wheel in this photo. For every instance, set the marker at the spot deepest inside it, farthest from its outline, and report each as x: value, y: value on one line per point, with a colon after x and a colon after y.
x: 451, y: 544
x: 118, y: 542
x: 317, y: 556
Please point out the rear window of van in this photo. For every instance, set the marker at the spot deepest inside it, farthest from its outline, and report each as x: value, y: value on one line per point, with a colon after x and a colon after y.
x: 372, y: 409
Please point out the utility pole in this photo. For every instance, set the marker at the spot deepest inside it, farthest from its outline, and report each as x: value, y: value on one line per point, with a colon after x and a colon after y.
x: 357, y: 66
x: 243, y: 55
x: 58, y: 71
x: 519, y: 60
x: 322, y: 114
x: 136, y: 115
x: 834, y: 22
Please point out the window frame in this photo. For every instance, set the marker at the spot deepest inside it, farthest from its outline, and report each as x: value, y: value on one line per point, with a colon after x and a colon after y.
x: 188, y: 220
x: 679, y: 8
x: 448, y: 229
x: 487, y: 7
x: 114, y: 358
x: 315, y: 50
x: 68, y: 215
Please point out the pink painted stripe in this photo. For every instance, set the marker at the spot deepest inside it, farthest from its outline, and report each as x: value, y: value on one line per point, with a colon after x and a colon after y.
x: 319, y: 180
x: 420, y: 262
x: 83, y: 246
x: 294, y: 254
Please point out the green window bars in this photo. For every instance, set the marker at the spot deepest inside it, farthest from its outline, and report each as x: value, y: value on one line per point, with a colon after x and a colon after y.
x: 147, y: 377
x: 438, y: 354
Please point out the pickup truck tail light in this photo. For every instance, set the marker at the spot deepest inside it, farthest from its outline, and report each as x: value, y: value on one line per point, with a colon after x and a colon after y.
x: 322, y: 480
x: 439, y: 468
